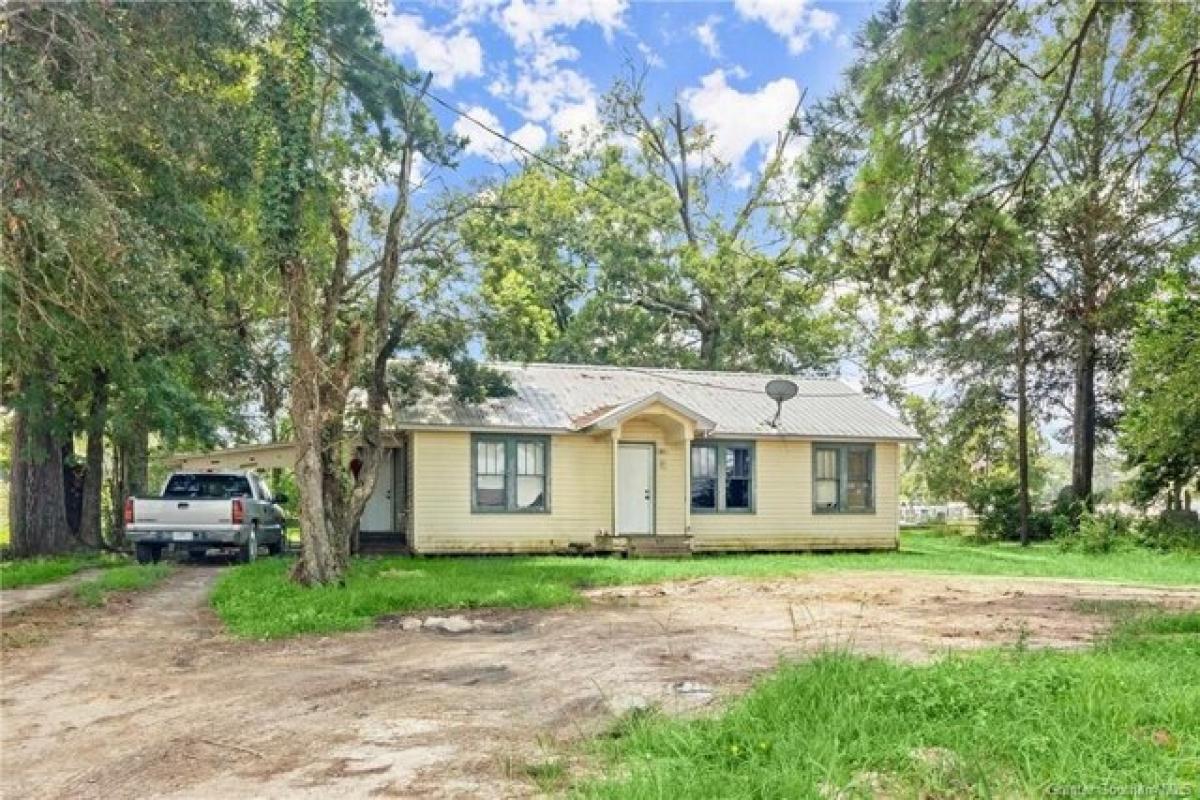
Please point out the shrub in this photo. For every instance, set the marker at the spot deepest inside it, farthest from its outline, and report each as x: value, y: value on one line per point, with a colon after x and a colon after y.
x: 996, y: 501
x: 1168, y: 533
x: 1099, y: 532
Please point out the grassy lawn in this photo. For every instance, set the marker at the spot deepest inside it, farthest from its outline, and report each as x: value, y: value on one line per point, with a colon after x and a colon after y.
x: 32, y: 571
x: 1001, y: 723
x: 257, y: 600
x: 127, y: 578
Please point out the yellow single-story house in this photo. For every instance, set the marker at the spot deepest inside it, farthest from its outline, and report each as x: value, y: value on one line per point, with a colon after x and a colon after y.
x: 599, y: 459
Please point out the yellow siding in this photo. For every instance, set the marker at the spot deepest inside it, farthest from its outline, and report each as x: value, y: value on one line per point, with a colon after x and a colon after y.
x: 783, y: 517
x: 580, y: 498
x: 668, y: 482
x: 581, y: 484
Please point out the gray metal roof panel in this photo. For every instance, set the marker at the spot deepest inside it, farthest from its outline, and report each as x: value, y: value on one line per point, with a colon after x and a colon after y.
x: 557, y: 396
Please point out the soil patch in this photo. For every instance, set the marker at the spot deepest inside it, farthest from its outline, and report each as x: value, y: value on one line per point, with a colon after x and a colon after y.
x: 157, y: 701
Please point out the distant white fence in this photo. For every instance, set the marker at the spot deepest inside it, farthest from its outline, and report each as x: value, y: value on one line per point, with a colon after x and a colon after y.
x: 948, y: 513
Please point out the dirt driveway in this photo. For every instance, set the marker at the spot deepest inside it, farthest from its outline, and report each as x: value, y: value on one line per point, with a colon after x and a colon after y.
x: 155, y: 701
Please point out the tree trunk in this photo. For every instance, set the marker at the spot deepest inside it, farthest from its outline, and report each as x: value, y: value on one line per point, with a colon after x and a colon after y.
x: 137, y: 464
x: 710, y: 342
x: 37, y: 506
x: 1022, y: 421
x: 318, y: 562
x: 1084, y: 423
x: 93, y: 476
x: 72, y: 486
x: 131, y: 468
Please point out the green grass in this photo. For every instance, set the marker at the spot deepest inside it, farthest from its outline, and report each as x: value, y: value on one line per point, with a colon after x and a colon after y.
x: 32, y: 571
x: 1000, y: 723
x: 128, y: 578
x: 257, y: 600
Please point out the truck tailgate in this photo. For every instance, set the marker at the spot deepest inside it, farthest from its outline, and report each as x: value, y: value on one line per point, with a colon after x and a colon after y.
x: 182, y: 514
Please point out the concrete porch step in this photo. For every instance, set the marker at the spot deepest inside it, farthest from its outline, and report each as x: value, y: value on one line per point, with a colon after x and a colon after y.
x: 382, y: 544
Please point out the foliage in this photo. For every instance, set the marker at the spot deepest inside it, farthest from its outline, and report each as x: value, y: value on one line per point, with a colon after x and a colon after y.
x: 259, y: 601
x: 32, y: 571
x: 995, y: 500
x: 999, y: 723
x: 339, y: 121
x: 1160, y: 432
x: 642, y: 256
x: 966, y: 442
x: 1040, y: 154
x: 128, y: 578
x: 1112, y: 532
x: 126, y: 157
x: 1099, y: 532
x: 1167, y: 533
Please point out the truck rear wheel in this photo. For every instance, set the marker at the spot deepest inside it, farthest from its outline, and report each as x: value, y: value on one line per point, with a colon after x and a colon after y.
x: 280, y: 547
x: 147, y: 553
x: 249, y: 550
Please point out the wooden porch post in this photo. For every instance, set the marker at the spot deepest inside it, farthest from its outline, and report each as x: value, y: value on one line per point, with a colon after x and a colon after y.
x: 687, y: 479
x: 615, y: 439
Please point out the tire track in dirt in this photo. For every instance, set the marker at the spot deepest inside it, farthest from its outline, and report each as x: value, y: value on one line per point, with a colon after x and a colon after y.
x: 156, y: 701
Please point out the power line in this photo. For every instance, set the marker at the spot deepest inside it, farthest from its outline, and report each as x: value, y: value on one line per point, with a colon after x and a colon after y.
x: 542, y: 159
x: 664, y: 375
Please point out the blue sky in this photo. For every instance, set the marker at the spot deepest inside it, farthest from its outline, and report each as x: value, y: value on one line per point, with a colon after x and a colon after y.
x: 536, y: 68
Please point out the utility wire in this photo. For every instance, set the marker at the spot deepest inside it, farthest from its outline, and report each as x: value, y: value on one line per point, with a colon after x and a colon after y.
x: 559, y: 168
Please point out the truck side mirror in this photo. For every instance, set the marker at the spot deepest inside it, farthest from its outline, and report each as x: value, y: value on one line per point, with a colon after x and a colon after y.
x: 281, y: 498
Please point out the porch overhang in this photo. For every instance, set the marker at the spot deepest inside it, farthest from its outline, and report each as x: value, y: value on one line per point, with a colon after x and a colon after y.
x: 611, y: 418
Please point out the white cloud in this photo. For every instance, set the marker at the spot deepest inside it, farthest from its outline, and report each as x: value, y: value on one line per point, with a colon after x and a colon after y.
x: 706, y: 35
x: 469, y: 11
x: 530, y: 136
x: 479, y: 142
x: 542, y: 89
x: 544, y: 95
x: 741, y: 121
x: 529, y: 22
x: 560, y: 97
x: 448, y: 54
x: 650, y: 56
x: 577, y: 118
x: 483, y: 144
x: 795, y: 20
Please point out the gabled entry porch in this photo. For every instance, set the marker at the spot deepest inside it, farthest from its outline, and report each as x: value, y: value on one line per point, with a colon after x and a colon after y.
x: 651, y: 441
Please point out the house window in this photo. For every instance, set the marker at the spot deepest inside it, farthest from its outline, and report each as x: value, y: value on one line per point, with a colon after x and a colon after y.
x: 704, y: 477
x: 509, y: 473
x: 723, y: 476
x: 843, y: 478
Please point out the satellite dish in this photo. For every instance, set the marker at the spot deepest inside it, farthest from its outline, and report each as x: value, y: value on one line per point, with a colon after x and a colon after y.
x: 780, y: 390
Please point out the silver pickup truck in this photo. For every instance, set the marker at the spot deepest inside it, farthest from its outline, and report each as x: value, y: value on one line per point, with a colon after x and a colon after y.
x: 199, y: 511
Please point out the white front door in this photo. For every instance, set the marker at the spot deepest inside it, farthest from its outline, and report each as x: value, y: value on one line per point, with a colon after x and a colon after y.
x: 635, y: 488
x: 379, y: 515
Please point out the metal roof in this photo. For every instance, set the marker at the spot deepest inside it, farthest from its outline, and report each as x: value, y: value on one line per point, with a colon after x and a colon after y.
x: 570, y: 397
